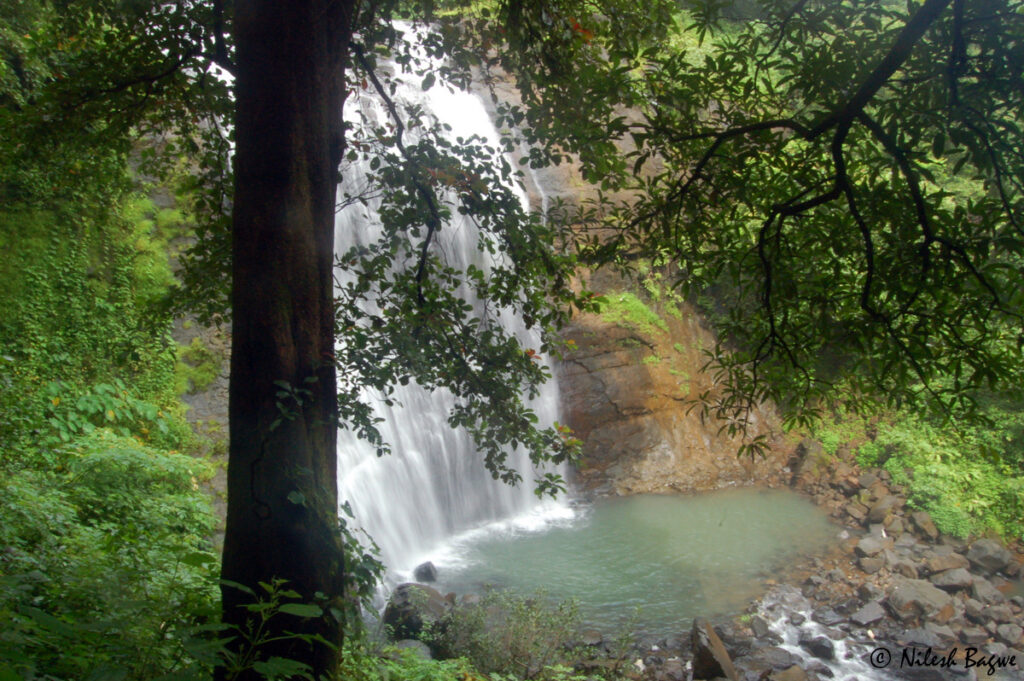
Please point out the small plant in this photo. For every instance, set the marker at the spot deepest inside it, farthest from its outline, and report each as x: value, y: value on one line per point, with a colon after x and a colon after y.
x: 275, y: 601
x: 109, y: 405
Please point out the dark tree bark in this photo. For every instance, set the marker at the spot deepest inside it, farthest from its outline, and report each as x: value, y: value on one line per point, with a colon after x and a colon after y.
x: 282, y: 481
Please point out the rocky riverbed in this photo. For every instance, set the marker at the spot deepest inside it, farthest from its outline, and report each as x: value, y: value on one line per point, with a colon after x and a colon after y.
x: 895, y: 600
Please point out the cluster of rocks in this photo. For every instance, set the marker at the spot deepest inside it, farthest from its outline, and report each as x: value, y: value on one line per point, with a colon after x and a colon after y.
x: 894, y: 580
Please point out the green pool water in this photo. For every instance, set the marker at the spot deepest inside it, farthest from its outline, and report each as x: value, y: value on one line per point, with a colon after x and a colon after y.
x: 656, y: 561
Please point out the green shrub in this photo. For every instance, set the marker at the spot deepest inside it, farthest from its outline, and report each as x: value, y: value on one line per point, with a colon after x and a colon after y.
x: 197, y: 367
x: 106, y: 561
x: 509, y: 634
x: 969, y: 476
x: 360, y: 663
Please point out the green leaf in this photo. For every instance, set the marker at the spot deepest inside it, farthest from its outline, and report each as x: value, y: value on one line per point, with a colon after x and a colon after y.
x: 301, y: 610
x: 235, y: 585
x: 280, y: 667
x: 197, y: 559
x: 428, y: 81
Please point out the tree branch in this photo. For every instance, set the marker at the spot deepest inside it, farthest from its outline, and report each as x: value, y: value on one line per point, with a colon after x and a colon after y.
x: 434, y: 223
x: 220, y: 50
x: 898, y: 53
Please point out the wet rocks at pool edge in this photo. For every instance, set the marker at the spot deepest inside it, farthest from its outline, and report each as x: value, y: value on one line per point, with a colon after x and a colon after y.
x: 710, y: 658
x: 898, y: 580
x: 413, y: 609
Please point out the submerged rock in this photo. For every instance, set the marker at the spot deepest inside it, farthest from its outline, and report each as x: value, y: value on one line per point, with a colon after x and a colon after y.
x: 425, y: 572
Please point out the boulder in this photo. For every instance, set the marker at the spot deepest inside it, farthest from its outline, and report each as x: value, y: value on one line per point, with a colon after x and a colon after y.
x: 869, y: 546
x: 770, y: 658
x: 982, y: 590
x: 871, y: 612
x: 1009, y: 634
x: 902, y: 566
x: 819, y: 646
x: 857, y: 511
x: 827, y: 617
x: 881, y: 509
x: 942, y: 563
x: 710, y: 658
x: 973, y: 636
x: 812, y: 456
x: 413, y: 608
x: 869, y: 592
x: 672, y: 670
x: 912, y: 599
x: 425, y: 572
x: 923, y: 523
x: 919, y: 638
x: 794, y: 673
x: 759, y: 627
x: 867, y: 479
x: 956, y: 579
x: 906, y: 541
x: 418, y: 648
x: 989, y: 556
x: 944, y: 634
x: 974, y: 609
x: 894, y: 526
x: 1000, y: 613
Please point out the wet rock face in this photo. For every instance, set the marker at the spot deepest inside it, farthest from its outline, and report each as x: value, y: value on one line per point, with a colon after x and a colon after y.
x: 710, y: 658
x: 988, y: 556
x: 626, y: 392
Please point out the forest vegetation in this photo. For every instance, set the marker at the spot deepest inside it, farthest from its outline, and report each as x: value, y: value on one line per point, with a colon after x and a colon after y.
x: 856, y: 239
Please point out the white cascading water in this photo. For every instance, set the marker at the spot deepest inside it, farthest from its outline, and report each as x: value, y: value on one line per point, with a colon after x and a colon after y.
x: 433, y: 486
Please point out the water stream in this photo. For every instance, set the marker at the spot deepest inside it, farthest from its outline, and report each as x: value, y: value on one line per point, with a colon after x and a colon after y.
x: 434, y: 485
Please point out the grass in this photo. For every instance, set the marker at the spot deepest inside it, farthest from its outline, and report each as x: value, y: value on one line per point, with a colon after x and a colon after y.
x: 628, y: 311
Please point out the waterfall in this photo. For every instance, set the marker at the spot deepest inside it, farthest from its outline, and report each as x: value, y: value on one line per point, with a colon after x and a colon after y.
x: 433, y: 486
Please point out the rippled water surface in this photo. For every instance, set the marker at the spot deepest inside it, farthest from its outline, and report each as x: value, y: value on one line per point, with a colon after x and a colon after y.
x: 665, y: 558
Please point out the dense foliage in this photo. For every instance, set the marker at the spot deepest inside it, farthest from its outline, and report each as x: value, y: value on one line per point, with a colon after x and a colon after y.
x: 107, y: 565
x: 858, y: 232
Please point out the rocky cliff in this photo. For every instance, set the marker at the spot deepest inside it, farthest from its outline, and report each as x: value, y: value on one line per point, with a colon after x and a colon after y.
x: 629, y: 389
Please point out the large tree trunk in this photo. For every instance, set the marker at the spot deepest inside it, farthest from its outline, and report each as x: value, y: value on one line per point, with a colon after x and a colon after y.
x: 282, y: 482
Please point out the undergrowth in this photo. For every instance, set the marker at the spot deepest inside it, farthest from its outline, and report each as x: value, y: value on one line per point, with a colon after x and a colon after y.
x: 968, y: 476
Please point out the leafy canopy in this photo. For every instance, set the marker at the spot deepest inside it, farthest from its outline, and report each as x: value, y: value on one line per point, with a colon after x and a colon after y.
x: 844, y: 179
